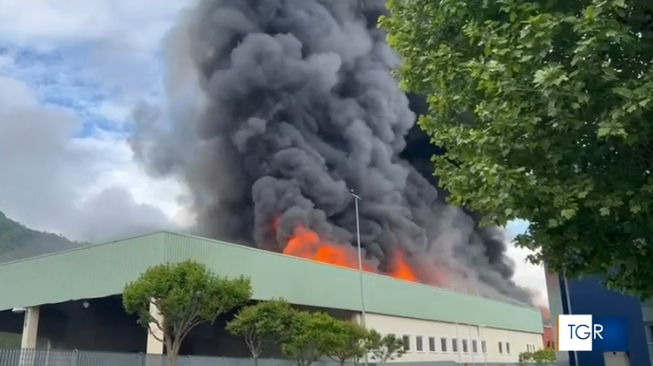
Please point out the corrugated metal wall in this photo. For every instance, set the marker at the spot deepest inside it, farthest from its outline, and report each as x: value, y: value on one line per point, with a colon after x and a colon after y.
x: 103, y: 270
x: 88, y: 272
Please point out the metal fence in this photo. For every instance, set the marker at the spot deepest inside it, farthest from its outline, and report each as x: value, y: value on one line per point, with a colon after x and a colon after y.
x: 52, y: 357
x: 43, y: 357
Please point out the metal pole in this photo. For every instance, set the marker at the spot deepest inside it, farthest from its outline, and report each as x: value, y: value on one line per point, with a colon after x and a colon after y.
x: 568, y: 301
x: 360, y: 264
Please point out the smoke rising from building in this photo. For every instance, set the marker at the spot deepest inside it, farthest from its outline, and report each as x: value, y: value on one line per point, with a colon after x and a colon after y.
x: 294, y: 106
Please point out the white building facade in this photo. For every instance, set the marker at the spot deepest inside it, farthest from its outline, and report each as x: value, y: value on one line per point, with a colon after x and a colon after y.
x: 459, y: 342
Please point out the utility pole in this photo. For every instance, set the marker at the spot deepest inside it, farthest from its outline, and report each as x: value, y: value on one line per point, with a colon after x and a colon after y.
x: 360, y: 263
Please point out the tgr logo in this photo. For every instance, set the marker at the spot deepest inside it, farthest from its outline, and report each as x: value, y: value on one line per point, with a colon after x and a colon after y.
x: 582, y: 331
x: 587, y: 333
x: 577, y: 332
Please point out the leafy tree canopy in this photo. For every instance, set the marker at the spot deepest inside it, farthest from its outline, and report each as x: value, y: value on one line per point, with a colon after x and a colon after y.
x: 264, y: 325
x: 541, y: 357
x: 386, y: 348
x: 544, y: 109
x: 186, y: 295
x: 350, y: 343
x: 315, y: 336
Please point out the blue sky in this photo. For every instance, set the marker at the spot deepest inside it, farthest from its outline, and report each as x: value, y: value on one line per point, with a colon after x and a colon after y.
x: 71, y: 72
x: 70, y: 76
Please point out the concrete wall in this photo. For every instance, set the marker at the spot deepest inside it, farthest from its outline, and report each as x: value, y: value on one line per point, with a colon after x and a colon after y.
x: 413, y: 328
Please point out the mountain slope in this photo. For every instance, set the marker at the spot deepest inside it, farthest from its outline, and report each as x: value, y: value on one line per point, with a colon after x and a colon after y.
x: 18, y: 241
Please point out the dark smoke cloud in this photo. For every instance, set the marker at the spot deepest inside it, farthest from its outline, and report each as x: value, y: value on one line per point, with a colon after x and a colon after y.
x: 295, y: 106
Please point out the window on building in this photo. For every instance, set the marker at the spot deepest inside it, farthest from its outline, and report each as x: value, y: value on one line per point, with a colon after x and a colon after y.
x: 507, y: 348
x: 406, y: 340
x: 443, y: 345
x: 465, y: 349
x: 419, y: 344
x: 483, y: 347
x: 454, y: 345
x: 500, y: 348
x: 474, y: 346
x: 431, y: 344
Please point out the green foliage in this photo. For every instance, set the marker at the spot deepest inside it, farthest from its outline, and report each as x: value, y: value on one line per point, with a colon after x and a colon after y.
x: 386, y: 348
x: 263, y: 325
x: 541, y: 357
x: 18, y: 241
x: 186, y: 294
x: 352, y: 342
x: 315, y: 335
x: 545, y: 111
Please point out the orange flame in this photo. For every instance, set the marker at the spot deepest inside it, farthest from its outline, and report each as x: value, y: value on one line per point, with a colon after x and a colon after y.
x: 400, y: 268
x: 307, y: 244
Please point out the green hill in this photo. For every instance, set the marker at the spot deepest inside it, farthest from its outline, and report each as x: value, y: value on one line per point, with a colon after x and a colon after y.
x: 18, y: 241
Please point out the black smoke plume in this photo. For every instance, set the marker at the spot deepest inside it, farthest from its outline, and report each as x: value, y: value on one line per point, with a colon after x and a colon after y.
x: 294, y: 105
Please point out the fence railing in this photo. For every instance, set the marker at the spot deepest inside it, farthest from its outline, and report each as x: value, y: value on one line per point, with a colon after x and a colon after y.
x: 53, y: 357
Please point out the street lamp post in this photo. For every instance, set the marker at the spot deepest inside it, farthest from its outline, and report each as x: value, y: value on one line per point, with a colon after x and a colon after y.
x: 360, y: 262
x: 569, y: 311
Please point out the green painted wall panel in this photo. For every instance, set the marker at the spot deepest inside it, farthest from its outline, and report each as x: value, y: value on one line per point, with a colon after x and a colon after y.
x: 103, y: 270
x: 89, y: 272
x: 273, y: 275
x: 310, y: 283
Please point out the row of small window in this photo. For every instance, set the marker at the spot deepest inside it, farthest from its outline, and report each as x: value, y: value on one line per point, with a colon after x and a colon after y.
x: 444, y: 345
x: 530, y: 347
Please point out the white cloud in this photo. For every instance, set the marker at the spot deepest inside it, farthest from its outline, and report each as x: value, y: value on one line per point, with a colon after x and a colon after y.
x: 85, y: 188
x: 526, y: 274
x: 49, y: 24
x: 63, y: 64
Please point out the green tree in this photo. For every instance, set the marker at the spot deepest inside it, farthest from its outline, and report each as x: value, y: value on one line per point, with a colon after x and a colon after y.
x: 351, y: 342
x: 546, y: 356
x: 186, y: 295
x: 315, y: 335
x: 544, y: 109
x: 263, y: 325
x: 540, y: 357
x: 526, y: 357
x: 386, y: 348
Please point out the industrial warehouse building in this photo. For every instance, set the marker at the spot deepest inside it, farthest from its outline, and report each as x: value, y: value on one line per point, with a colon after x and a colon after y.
x: 71, y: 300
